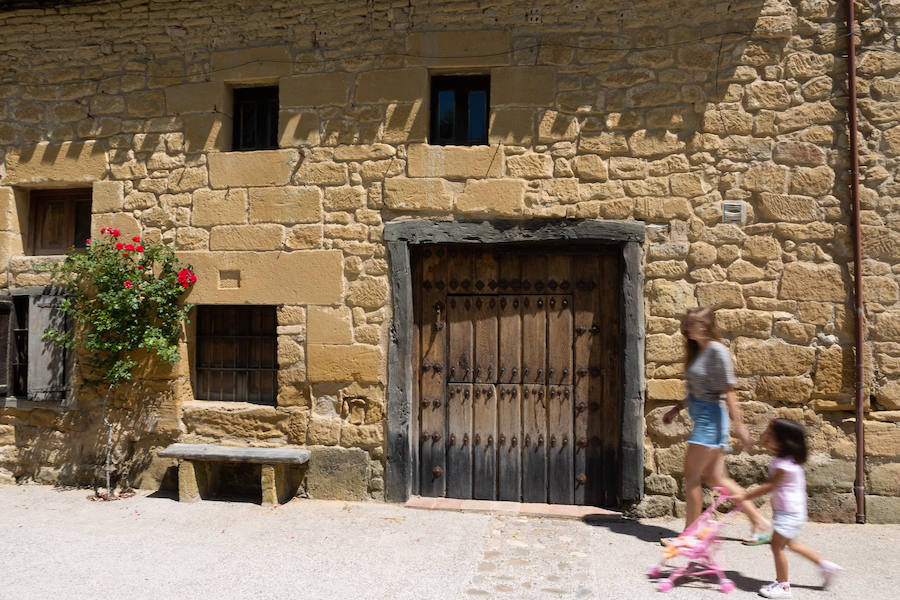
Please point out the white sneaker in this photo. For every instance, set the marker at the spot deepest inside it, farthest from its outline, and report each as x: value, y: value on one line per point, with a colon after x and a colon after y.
x: 776, y: 589
x: 829, y: 570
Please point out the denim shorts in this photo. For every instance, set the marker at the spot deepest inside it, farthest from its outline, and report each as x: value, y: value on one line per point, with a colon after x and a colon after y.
x: 788, y: 524
x: 711, y: 424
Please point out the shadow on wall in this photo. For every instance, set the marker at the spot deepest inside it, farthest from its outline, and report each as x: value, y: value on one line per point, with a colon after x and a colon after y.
x: 69, y: 448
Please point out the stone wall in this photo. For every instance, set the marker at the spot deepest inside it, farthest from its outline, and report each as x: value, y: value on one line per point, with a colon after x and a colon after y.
x: 646, y: 110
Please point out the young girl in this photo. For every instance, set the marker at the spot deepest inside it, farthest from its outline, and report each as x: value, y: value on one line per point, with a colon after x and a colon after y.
x: 787, y: 484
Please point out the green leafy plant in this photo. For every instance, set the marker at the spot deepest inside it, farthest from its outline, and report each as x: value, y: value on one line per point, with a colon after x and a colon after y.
x: 124, y: 298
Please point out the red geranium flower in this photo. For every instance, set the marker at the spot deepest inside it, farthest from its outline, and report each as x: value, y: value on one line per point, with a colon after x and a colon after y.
x: 115, y: 232
x: 104, y: 230
x: 186, y: 277
x: 139, y: 248
x: 129, y: 247
x: 128, y: 284
x: 140, y: 266
x: 88, y: 241
x: 119, y: 246
x: 135, y: 239
x: 125, y: 254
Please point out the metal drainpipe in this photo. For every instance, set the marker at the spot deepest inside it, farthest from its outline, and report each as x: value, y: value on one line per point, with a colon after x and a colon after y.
x: 859, y: 485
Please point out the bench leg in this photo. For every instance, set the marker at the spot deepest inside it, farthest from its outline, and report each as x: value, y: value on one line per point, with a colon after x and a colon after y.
x: 278, y: 484
x: 191, y: 479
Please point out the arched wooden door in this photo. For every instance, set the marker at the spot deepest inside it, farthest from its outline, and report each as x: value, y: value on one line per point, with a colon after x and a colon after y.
x: 518, y: 356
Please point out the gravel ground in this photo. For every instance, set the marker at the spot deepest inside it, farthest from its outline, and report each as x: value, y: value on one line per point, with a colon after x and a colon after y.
x: 57, y: 544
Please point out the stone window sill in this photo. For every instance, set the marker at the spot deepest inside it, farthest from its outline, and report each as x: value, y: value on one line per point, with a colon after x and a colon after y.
x: 22, y: 404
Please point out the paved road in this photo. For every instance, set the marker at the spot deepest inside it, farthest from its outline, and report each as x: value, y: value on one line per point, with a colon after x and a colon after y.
x: 57, y: 544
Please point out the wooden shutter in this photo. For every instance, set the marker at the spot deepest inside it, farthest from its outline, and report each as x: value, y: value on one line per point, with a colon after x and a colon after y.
x: 49, y: 367
x: 6, y: 338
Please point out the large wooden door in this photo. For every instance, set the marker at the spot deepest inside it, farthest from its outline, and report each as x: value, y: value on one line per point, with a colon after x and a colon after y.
x: 518, y: 373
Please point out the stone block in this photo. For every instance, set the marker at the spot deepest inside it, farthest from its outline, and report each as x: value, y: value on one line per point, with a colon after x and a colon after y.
x: 405, y: 123
x: 315, y: 90
x: 888, y: 395
x: 799, y: 153
x: 455, y: 162
x: 810, y: 281
x: 392, y: 85
x: 669, y: 298
x: 883, y: 290
x: 69, y: 162
x: 204, y: 132
x: 344, y: 364
x: 882, y: 439
x: 792, y: 331
x: 530, y: 166
x: 285, y: 205
x: 298, y: 128
x: 308, y: 277
x: 492, y: 197
x: 337, y: 473
x: 788, y: 208
x: 664, y: 485
x: 122, y: 221
x: 218, y: 207
x: 523, y: 86
x: 207, y: 97
x: 651, y: 143
x: 554, y: 126
x: 106, y: 196
x: 368, y: 292
x: 251, y: 169
x: 363, y: 152
x: 514, y: 126
x: 761, y: 249
x: 882, y: 509
x: 246, y: 237
x: 322, y: 173
x: 590, y: 167
x: 329, y: 325
x: 459, y: 48
x: 664, y: 348
x: 665, y: 389
x: 238, y: 421
x: 817, y: 181
x: 419, y: 194
x: 766, y: 178
x: 604, y: 144
x: 791, y: 391
x: 769, y: 95
x: 884, y: 480
x: 251, y: 65
x: 772, y: 358
x: 752, y: 323
x: 146, y: 104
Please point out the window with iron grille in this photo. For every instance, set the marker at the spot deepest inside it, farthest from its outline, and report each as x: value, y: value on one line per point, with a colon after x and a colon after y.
x: 61, y: 219
x: 460, y: 105
x: 255, y: 118
x: 236, y: 354
x: 32, y: 368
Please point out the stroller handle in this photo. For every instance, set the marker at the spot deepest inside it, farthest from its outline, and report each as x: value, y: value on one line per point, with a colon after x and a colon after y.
x: 723, y: 493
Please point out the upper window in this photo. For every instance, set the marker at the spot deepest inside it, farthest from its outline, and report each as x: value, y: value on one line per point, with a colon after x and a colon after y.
x: 255, y: 118
x: 459, y: 109
x: 60, y: 220
x: 236, y: 354
x: 32, y: 368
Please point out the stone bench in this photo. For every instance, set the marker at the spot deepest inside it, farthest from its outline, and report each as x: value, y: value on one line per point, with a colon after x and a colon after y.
x: 280, y: 469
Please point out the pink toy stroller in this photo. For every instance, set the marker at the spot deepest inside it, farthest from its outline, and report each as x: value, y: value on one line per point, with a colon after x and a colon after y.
x: 699, y: 545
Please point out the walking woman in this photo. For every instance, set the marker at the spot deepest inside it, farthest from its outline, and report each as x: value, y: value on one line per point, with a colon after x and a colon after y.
x: 710, y: 378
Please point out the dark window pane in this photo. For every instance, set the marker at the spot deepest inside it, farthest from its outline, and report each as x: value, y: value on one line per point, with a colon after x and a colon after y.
x: 446, y: 114
x: 82, y: 223
x: 255, y: 118
x: 477, y: 116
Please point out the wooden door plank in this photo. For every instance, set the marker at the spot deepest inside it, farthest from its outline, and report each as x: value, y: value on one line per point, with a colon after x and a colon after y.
x: 484, y: 442
x: 612, y: 349
x: 510, y: 344
x: 560, y: 476
x: 509, y: 442
x: 534, y: 339
x: 432, y: 404
x: 486, y: 333
x: 586, y: 300
x: 534, y: 451
x: 459, y: 440
x: 461, y: 367
x: 559, y: 340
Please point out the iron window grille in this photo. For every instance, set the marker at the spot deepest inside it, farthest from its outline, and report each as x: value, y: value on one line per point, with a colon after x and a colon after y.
x: 236, y: 354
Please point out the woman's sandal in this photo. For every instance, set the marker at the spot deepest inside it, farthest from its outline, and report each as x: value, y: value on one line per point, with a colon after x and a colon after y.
x: 756, y: 539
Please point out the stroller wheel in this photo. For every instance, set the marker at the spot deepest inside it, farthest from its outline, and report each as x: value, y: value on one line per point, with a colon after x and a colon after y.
x: 653, y: 571
x: 664, y: 586
x: 727, y: 586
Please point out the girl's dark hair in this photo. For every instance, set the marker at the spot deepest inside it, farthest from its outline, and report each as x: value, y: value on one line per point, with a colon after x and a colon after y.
x: 791, y: 439
x: 707, y: 318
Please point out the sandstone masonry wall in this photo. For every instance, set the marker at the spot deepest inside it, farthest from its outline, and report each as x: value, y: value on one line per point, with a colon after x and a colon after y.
x: 645, y: 109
